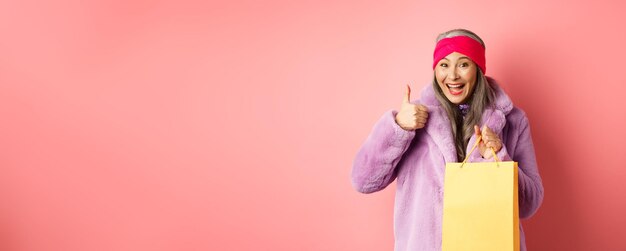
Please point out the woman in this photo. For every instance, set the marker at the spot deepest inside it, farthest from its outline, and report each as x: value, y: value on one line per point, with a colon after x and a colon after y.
x: 413, y: 144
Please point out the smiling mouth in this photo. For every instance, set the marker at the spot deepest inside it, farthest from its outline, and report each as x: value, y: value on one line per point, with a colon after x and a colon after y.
x: 455, y: 89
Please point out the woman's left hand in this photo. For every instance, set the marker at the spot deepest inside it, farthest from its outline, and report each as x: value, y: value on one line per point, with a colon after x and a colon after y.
x: 489, y: 140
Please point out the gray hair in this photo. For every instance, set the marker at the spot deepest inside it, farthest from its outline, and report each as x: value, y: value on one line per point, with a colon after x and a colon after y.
x: 480, y: 98
x: 460, y: 32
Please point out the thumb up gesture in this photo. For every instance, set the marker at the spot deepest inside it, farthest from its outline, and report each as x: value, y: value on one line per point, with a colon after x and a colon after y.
x: 411, y: 117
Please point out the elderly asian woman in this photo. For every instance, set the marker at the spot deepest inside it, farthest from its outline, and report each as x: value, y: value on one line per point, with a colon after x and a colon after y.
x: 412, y: 144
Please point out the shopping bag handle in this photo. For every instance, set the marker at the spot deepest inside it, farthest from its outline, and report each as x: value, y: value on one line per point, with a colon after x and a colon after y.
x: 495, y: 157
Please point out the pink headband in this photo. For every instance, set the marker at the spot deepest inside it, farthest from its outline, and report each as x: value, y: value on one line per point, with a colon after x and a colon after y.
x: 461, y: 44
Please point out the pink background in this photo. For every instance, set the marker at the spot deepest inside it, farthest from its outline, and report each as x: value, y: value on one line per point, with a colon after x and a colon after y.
x: 194, y: 125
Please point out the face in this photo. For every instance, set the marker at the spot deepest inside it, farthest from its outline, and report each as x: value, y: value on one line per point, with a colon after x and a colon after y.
x: 456, y: 76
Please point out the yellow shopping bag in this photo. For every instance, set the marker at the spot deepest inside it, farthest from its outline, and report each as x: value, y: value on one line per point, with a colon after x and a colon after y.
x: 480, y: 207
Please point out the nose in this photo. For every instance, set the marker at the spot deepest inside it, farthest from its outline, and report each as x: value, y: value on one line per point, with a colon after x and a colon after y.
x: 453, y: 73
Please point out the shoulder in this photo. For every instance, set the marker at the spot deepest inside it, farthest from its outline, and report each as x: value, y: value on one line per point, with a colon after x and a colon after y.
x: 516, y: 114
x: 502, y: 101
x: 517, y: 119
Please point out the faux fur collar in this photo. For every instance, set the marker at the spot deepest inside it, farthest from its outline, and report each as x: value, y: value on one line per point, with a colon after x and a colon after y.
x: 439, y: 128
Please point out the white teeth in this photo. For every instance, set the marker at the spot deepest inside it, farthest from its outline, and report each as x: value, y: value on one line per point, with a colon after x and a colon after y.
x: 455, y: 86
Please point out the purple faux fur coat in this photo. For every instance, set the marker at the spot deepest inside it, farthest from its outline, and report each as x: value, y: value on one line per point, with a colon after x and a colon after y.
x: 417, y: 160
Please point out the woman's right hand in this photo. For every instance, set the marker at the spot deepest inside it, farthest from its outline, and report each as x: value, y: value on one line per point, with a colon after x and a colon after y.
x: 411, y: 117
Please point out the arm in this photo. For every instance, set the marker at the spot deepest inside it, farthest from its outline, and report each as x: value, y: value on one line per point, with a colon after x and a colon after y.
x: 374, y: 165
x: 530, y: 187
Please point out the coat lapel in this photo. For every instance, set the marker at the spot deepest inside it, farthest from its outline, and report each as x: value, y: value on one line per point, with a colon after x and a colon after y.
x: 495, y: 116
x: 438, y: 125
x: 439, y: 129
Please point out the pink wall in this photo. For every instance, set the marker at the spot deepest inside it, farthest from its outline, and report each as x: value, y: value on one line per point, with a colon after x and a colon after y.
x: 187, y: 125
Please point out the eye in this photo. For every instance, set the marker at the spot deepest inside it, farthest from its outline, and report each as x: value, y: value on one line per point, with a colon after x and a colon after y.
x: 464, y: 64
x: 443, y: 65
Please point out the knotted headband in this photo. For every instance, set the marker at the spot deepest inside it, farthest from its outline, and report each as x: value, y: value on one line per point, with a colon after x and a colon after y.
x: 461, y: 44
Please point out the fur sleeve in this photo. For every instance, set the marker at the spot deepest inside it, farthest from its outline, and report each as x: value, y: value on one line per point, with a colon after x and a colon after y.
x: 530, y: 185
x: 374, y: 165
